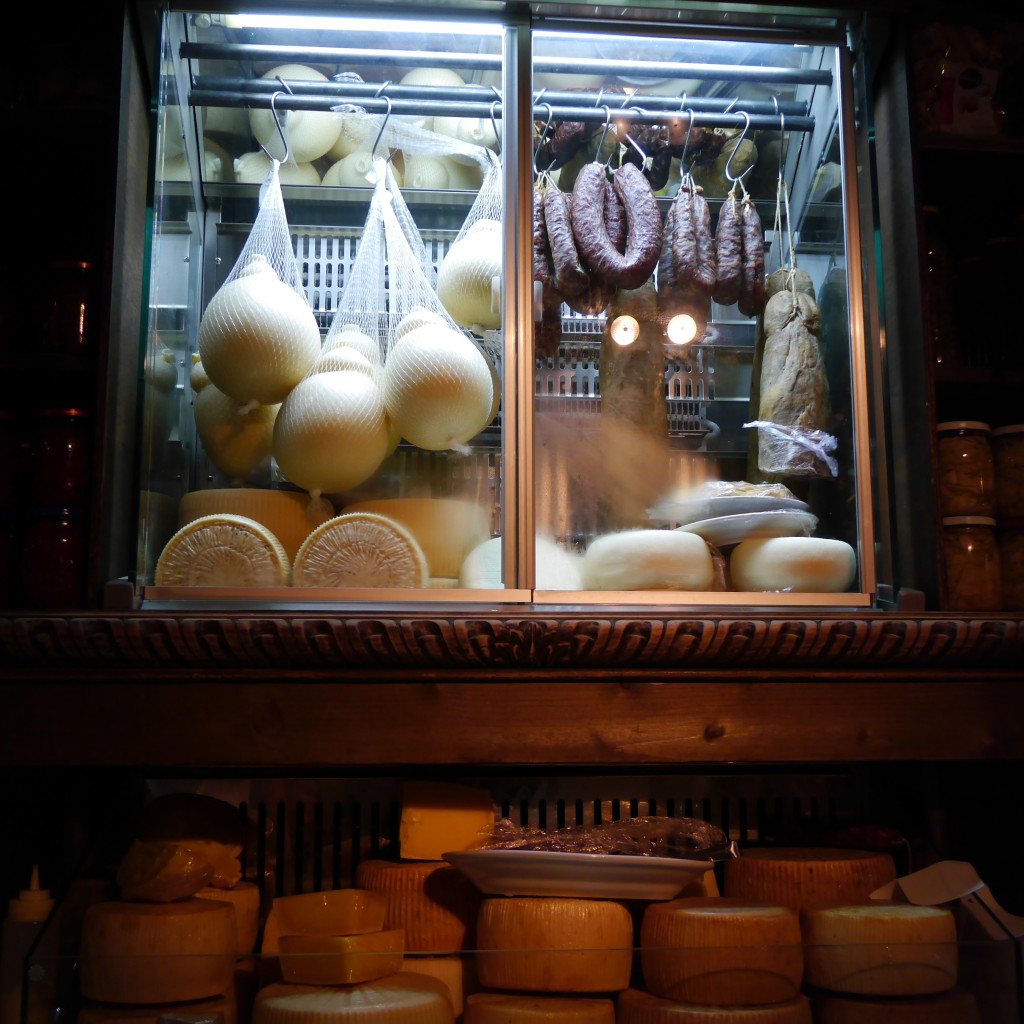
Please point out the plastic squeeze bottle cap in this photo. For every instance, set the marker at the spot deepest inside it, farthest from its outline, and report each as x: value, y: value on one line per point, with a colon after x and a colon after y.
x: 31, y: 904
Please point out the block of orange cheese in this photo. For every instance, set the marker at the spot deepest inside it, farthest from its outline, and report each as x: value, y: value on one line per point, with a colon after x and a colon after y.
x: 340, y: 959
x: 438, y: 817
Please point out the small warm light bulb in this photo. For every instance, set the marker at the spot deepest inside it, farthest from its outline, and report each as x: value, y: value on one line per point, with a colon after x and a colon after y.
x: 681, y: 329
x: 624, y: 330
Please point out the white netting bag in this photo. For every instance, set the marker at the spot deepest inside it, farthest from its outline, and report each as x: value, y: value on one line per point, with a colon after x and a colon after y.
x: 258, y: 335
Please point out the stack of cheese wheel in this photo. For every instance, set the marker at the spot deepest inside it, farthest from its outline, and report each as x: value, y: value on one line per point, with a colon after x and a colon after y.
x: 716, y: 951
x: 400, y: 998
x: 554, y: 944
x: 336, y: 937
x: 807, y: 876
x: 957, y: 1006
x: 637, y: 1007
x: 160, y: 944
x: 512, y: 1008
x: 880, y: 949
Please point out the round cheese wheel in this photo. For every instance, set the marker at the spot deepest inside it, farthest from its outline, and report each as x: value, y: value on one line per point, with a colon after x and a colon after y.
x: 797, y: 565
x: 245, y: 898
x: 340, y: 959
x: 157, y: 952
x: 289, y: 515
x: 223, y: 551
x: 114, y: 1013
x: 453, y: 972
x: 636, y: 1007
x: 503, y: 1008
x: 332, y: 912
x: 881, y: 949
x: 807, y: 876
x: 400, y: 998
x: 434, y: 903
x: 721, y: 951
x: 550, y: 944
x: 447, y: 529
x: 957, y: 1006
x: 647, y: 560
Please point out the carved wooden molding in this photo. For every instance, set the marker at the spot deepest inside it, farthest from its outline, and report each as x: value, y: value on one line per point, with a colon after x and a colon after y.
x: 527, y: 639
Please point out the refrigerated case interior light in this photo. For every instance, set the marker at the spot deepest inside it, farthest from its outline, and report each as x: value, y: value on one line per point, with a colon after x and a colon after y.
x: 624, y: 330
x: 681, y: 329
x: 322, y: 23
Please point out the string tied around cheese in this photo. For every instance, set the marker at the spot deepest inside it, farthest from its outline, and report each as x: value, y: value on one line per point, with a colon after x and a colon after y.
x: 814, y: 445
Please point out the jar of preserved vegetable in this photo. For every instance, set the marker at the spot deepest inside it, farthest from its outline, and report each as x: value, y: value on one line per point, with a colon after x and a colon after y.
x: 1008, y: 457
x: 1011, y: 556
x: 966, y: 469
x: 971, y: 558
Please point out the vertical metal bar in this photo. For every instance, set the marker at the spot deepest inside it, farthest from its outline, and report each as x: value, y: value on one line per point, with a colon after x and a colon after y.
x: 517, y: 404
x: 858, y: 262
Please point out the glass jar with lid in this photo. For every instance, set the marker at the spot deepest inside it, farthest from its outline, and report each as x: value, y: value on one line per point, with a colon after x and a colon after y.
x: 966, y: 480
x: 1008, y: 458
x: 971, y: 559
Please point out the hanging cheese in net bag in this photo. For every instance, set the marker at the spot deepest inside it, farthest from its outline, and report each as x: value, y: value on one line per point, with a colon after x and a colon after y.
x: 439, y: 388
x: 793, y: 406
x: 258, y: 335
x: 332, y: 432
x: 469, y: 276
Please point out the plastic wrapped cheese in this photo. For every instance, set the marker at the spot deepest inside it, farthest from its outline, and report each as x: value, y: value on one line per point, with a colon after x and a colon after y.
x: 134, y: 952
x: 721, y: 951
x: 648, y: 560
x: 549, y: 944
x: 881, y: 949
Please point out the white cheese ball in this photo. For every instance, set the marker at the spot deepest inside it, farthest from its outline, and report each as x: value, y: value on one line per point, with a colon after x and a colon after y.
x: 310, y: 133
x: 648, y: 560
x: 464, y: 280
x: 331, y: 432
x: 257, y: 337
x: 800, y: 565
x: 253, y: 168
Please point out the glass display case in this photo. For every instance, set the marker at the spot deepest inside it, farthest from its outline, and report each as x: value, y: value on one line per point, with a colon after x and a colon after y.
x: 594, y: 297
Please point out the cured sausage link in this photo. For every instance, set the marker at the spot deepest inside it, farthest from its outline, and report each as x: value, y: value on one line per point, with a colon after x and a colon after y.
x: 706, y: 272
x: 570, y: 275
x: 644, y: 231
x: 752, y: 286
x: 729, y: 246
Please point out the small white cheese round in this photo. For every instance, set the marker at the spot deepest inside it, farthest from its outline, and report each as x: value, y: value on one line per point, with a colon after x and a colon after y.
x: 798, y: 565
x: 648, y: 560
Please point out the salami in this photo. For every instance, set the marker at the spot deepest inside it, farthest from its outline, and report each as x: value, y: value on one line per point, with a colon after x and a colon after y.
x: 706, y: 273
x: 752, y: 284
x: 684, y: 242
x: 729, y: 248
x: 543, y: 270
x: 570, y: 275
x: 615, y: 217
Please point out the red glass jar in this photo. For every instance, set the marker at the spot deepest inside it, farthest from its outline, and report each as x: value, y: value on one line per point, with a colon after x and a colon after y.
x: 53, y: 559
x: 59, y: 463
x: 68, y: 315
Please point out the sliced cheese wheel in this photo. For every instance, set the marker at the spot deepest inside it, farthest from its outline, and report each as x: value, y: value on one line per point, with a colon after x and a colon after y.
x: 401, y: 998
x: 289, y: 515
x: 340, y: 959
x: 360, y: 549
x: 438, y: 817
x: 721, y: 951
x: 543, y: 944
x: 332, y: 912
x: 881, y: 949
x: 807, y: 876
x: 957, y: 1006
x: 447, y: 529
x: 504, y: 1008
x: 455, y: 973
x: 636, y: 1007
x: 245, y: 898
x: 798, y: 565
x: 223, y: 551
x: 434, y: 903
x: 157, y: 952
x: 647, y: 560
x: 114, y: 1013
x: 161, y: 872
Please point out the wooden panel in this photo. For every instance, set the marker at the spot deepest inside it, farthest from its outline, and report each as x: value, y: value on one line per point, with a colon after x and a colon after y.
x: 303, y: 724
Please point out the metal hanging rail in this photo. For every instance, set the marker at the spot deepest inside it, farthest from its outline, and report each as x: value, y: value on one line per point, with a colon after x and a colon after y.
x: 492, y: 62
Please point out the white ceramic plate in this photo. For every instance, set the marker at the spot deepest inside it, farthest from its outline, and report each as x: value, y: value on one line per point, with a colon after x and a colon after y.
x: 724, y: 530
x: 693, y: 509
x: 593, y: 875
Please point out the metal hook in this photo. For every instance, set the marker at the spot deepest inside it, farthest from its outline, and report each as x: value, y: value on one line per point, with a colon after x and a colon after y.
x: 543, y: 135
x: 494, y: 123
x: 383, y: 125
x: 728, y: 163
x: 604, y: 133
x: 782, y: 136
x: 690, y: 115
x: 278, y: 123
